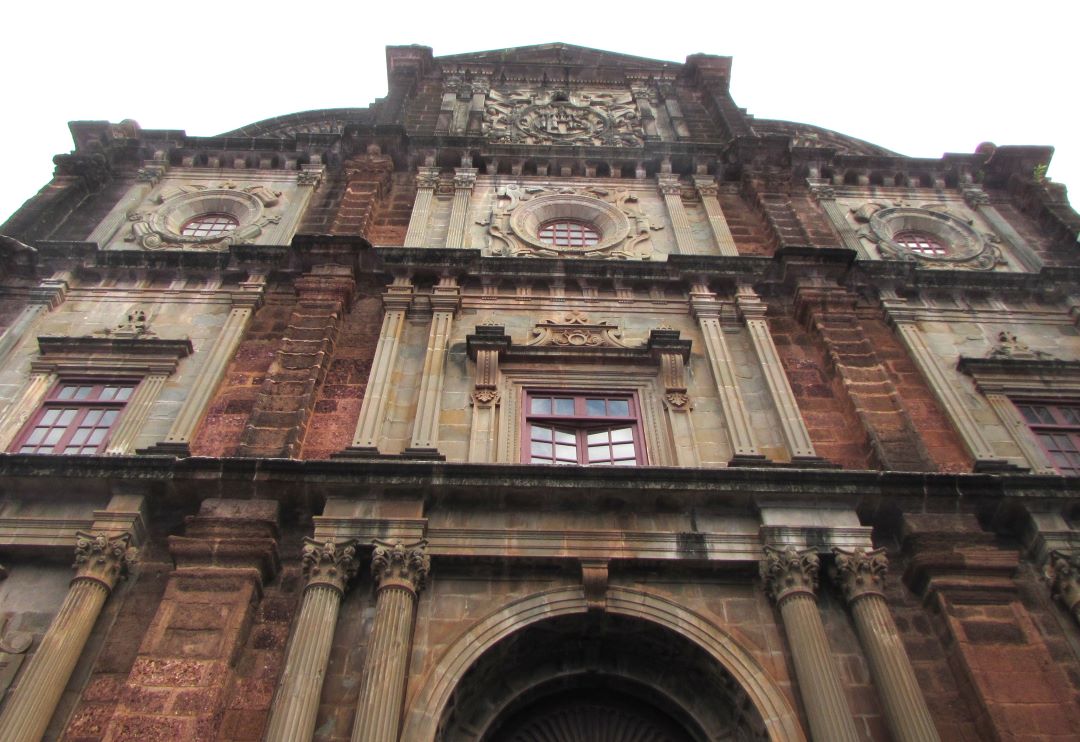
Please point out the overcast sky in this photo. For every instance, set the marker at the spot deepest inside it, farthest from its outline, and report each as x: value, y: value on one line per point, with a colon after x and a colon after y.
x: 919, y: 78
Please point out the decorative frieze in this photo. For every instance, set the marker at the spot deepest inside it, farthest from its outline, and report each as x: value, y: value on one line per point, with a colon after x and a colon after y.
x: 562, y: 117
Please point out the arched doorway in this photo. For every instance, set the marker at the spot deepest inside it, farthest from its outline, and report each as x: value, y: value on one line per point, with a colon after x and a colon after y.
x: 598, y: 677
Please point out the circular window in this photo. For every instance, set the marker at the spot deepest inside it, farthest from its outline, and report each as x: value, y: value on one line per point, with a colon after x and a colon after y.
x: 209, y: 225
x: 921, y: 243
x: 568, y: 233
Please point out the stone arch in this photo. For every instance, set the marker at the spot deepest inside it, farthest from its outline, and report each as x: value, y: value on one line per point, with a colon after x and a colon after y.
x: 426, y: 706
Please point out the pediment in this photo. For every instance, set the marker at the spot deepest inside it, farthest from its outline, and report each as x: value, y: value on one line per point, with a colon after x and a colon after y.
x: 557, y: 54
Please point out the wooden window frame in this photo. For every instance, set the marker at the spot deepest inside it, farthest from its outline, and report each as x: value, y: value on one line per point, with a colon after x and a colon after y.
x: 83, y: 408
x: 1058, y: 425
x: 581, y: 425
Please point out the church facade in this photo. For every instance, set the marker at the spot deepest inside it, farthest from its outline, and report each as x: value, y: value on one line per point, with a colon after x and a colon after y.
x: 551, y: 397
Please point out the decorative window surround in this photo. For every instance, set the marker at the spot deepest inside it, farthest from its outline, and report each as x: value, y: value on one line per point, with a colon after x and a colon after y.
x: 1003, y: 380
x: 548, y: 362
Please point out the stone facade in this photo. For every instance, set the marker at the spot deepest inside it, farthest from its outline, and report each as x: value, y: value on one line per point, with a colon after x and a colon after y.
x: 292, y: 397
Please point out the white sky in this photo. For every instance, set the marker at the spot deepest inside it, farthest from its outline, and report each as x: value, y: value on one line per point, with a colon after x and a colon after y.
x: 919, y: 78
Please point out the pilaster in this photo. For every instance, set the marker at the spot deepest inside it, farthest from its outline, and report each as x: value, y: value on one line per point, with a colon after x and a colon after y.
x: 400, y: 570
x: 427, y: 178
x: 48, y: 295
x: 791, y: 579
x: 796, y: 436
x: 826, y: 196
x: 706, y: 308
x: 203, y: 388
x: 672, y: 353
x: 671, y: 190
x: 445, y: 300
x: 369, y: 426
x: 978, y: 200
x: 707, y: 190
x: 464, y: 180
x: 860, y: 574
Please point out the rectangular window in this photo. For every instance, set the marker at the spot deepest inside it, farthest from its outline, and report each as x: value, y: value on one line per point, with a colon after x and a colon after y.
x: 595, y: 429
x: 1057, y: 428
x: 75, y: 418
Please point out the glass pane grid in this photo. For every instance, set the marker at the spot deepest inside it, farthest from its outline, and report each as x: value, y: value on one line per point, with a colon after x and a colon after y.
x: 76, y: 419
x: 921, y: 243
x: 209, y: 225
x: 567, y: 233
x: 580, y: 437
x: 1057, y: 428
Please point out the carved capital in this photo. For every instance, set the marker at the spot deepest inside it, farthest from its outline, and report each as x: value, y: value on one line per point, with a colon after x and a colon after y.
x: 822, y: 192
x: 860, y: 572
x: 706, y: 186
x: 465, y: 178
x: 309, y: 177
x: 975, y: 197
x: 669, y: 185
x: 395, y: 564
x: 1064, y: 573
x: 151, y: 171
x: 102, y: 558
x: 331, y: 564
x: 427, y: 177
x: 789, y: 571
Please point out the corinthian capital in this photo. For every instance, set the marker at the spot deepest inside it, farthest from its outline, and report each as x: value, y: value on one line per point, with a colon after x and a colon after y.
x: 860, y: 572
x: 1064, y: 573
x: 331, y: 564
x: 789, y: 571
x: 403, y: 565
x: 102, y: 558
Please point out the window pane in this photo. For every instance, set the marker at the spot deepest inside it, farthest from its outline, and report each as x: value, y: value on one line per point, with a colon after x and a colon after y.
x: 53, y: 436
x: 80, y: 436
x: 619, y: 407
x: 37, y: 436
x: 84, y: 392
x: 98, y: 436
x: 561, y: 436
x: 124, y: 393
x: 623, y: 451
x: 540, y: 405
x: 92, y: 417
x: 67, y: 417
x: 595, y: 407
x: 108, y: 394
x: 109, y: 417
x: 564, y: 407
x: 599, y: 453
x: 540, y: 433
x: 622, y: 435
x: 49, y: 418
x: 566, y: 453
x: 541, y: 449
x: 597, y: 437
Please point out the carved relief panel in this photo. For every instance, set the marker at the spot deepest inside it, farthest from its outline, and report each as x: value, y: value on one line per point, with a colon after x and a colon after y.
x: 551, y: 116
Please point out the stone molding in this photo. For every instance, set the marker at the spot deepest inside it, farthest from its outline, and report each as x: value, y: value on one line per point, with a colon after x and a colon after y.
x: 789, y: 571
x: 860, y: 572
x: 401, y: 565
x: 328, y: 563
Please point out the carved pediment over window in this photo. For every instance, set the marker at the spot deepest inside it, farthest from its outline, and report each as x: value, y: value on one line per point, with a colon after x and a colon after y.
x: 113, y: 356
x: 1023, y: 376
x: 574, y: 329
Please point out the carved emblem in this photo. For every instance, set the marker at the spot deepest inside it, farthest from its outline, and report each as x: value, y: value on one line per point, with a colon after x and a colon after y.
x: 136, y: 326
x: 625, y: 229
x: 574, y: 330
x: 484, y: 397
x: 604, y: 118
x: 1008, y: 347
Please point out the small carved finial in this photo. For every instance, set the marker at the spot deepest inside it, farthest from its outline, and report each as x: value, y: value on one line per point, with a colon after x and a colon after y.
x: 860, y: 572
x: 329, y: 563
x: 789, y: 571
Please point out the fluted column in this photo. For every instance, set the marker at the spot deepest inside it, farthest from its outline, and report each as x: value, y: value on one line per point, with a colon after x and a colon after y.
x: 1065, y: 580
x: 796, y: 436
x: 671, y: 190
x: 328, y: 567
x: 861, y: 574
x: 400, y: 570
x: 791, y: 578
x: 427, y: 178
x: 380, y: 385
x: 99, y: 560
x: 708, y: 191
x: 445, y: 299
x: 464, y: 180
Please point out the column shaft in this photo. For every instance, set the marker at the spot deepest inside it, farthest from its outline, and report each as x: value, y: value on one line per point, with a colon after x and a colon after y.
x: 292, y: 718
x: 427, y: 178
x: 672, y: 192
x: 905, y: 708
x: 819, y: 682
x: 386, y: 666
x: 707, y: 190
x: 31, y: 707
x: 464, y: 180
x: 425, y: 434
x: 735, y: 416
x: 206, y: 384
x: 380, y: 381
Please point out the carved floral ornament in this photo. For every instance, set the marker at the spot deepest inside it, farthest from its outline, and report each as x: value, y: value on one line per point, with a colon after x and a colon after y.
x: 575, y: 330
x: 394, y: 563
x: 329, y: 563
x: 965, y: 247
x: 102, y: 558
x: 518, y: 211
x: 253, y: 208
x: 589, y: 117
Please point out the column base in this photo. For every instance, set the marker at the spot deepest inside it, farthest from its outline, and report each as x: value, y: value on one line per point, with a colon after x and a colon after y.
x: 362, y: 453
x: 162, y: 448
x: 428, y: 454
